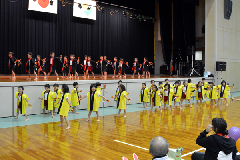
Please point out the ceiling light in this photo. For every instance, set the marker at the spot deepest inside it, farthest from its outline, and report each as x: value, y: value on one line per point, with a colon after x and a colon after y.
x: 124, y: 14
x: 111, y: 12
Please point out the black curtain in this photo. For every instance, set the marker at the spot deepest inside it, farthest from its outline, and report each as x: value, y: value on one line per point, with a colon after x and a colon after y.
x: 23, y: 31
x: 165, y: 11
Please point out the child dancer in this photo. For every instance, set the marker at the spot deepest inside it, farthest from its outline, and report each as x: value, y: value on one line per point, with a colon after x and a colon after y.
x: 177, y: 94
x: 205, y: 84
x: 90, y: 67
x: 224, y: 91
x: 30, y: 65
x: 52, y: 63
x: 186, y: 93
x: 122, y: 100
x: 22, y: 101
x: 40, y: 67
x: 105, y: 66
x: 47, y: 100
x: 167, y: 96
x: 72, y: 66
x: 75, y: 96
x: 144, y: 95
x: 100, y: 66
x: 146, y: 68
x: 64, y: 106
x: 151, y: 90
x: 85, y: 66
x: 115, y: 67
x: 12, y: 63
x: 57, y: 94
x: 117, y: 92
x: 65, y: 67
x: 135, y: 68
x: 156, y: 97
x: 160, y: 86
x: 212, y: 93
x: 98, y: 89
x: 93, y: 101
x: 193, y: 89
x: 200, y: 92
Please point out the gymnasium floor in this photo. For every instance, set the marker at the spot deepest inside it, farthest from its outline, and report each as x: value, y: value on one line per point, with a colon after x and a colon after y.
x: 112, y: 138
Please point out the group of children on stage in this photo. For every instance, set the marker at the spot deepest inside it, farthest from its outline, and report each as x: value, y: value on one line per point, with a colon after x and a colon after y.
x: 177, y: 93
x: 70, y: 66
x: 164, y: 93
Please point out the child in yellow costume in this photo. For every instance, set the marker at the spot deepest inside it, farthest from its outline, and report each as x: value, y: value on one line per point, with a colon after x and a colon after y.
x: 47, y: 100
x: 122, y: 100
x: 186, y: 92
x: 98, y: 89
x: 167, y: 96
x: 75, y: 97
x: 57, y: 95
x: 167, y: 82
x: 64, y: 106
x: 93, y: 101
x: 212, y: 93
x: 144, y: 95
x: 22, y: 101
x: 117, y: 92
x: 177, y: 94
x: 224, y: 91
x: 200, y: 92
x: 151, y: 90
x: 193, y: 88
x: 156, y: 97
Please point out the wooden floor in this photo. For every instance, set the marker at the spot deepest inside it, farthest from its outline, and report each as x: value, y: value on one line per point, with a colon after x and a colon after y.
x: 95, y: 141
x: 23, y: 78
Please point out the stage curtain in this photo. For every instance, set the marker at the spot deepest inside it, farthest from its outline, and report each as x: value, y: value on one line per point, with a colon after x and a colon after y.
x: 23, y: 31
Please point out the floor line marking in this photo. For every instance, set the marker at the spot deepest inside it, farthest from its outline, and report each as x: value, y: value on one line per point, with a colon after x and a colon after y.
x: 131, y: 145
x: 193, y: 152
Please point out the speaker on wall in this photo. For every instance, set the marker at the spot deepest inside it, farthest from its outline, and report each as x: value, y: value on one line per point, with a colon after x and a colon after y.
x: 221, y: 66
x: 227, y: 9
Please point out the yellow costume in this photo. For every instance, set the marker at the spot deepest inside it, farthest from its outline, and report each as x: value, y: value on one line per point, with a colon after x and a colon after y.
x: 64, y: 106
x: 23, y: 107
x: 99, y: 91
x: 75, y: 97
x: 178, y: 93
x: 157, y: 99
x: 205, y: 85
x: 93, y: 102
x: 226, y: 91
x: 122, y: 101
x: 57, y: 95
x: 170, y: 96
x: 144, y: 95
x: 203, y: 91
x: 187, y: 92
x: 116, y: 95
x: 163, y: 85
x: 192, y: 89
x: 151, y: 89
x: 213, y: 93
x: 50, y: 100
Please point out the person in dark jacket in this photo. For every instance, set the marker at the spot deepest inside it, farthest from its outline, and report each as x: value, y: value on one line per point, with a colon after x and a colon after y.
x: 218, y: 146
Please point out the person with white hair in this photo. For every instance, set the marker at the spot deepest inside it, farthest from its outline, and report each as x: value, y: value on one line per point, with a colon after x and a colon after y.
x: 159, y: 148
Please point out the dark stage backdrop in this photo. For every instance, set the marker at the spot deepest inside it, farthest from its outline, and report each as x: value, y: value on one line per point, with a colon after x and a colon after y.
x: 23, y: 31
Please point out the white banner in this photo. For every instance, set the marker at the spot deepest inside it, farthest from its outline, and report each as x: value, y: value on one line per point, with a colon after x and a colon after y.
x: 84, y: 9
x: 43, y: 5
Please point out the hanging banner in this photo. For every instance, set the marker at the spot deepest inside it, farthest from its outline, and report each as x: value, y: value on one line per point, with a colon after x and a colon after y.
x: 84, y: 9
x: 49, y: 6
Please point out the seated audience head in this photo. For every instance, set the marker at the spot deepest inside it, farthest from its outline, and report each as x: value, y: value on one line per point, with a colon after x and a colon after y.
x: 158, y: 147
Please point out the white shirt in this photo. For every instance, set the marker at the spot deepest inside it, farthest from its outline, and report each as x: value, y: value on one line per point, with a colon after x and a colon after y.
x: 166, y: 92
x: 99, y: 95
x: 134, y: 64
x: 29, y: 62
x: 222, y: 88
x: 89, y: 64
x: 51, y: 60
x: 70, y: 62
x: 199, y: 89
x: 85, y: 62
x: 46, y: 95
x: 120, y: 64
x: 160, y: 89
x: 184, y: 89
x: 175, y: 90
x: 142, y: 91
x: 20, y: 98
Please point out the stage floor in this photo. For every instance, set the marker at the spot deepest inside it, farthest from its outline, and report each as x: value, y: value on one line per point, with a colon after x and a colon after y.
x: 23, y: 78
x: 113, y: 137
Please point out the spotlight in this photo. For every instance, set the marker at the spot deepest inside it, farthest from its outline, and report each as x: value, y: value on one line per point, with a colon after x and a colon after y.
x: 51, y: 2
x: 80, y: 5
x: 154, y: 20
x: 88, y: 8
x: 145, y: 19
x: 102, y: 10
x: 131, y: 15
x: 124, y: 14
x: 139, y: 17
x: 111, y: 12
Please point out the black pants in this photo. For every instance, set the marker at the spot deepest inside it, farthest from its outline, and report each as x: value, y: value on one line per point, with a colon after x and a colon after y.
x: 198, y: 156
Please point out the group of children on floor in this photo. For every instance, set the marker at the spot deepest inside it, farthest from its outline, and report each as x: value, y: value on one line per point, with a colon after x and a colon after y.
x: 167, y: 94
x: 69, y: 67
x: 177, y: 93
